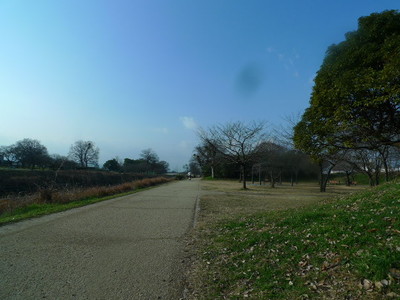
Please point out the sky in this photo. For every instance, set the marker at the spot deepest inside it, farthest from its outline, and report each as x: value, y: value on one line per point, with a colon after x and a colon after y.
x: 132, y: 75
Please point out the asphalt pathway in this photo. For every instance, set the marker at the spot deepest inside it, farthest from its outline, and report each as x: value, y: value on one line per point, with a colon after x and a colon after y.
x: 130, y: 247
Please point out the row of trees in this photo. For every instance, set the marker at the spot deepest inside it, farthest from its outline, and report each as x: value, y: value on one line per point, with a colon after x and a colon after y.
x: 148, y: 163
x: 352, y: 123
x: 239, y: 149
x: 30, y: 153
x: 354, y: 115
x: 242, y: 150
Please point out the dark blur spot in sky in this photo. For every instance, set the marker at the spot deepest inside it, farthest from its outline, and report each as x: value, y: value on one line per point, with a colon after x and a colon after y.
x: 249, y: 79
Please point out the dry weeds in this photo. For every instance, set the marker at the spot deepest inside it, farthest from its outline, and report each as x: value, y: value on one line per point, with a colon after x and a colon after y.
x: 62, y: 196
x: 224, y: 199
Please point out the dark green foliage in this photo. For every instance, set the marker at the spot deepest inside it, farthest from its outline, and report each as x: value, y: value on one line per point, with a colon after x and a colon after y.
x: 29, y: 153
x: 112, y: 165
x: 180, y: 177
x: 148, y: 164
x: 354, y: 112
x: 356, y: 101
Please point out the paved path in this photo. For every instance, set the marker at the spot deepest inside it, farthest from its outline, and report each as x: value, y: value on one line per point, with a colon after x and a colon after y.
x: 125, y: 248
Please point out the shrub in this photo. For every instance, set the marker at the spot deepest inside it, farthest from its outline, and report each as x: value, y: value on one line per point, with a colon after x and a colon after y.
x: 179, y: 177
x: 46, y: 195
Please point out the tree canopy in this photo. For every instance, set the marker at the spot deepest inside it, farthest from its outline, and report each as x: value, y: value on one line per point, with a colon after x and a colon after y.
x: 148, y: 163
x: 355, y: 101
x: 112, y: 165
x: 30, y: 153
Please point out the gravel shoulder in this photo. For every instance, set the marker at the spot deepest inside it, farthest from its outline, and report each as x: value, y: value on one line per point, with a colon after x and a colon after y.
x: 132, y: 247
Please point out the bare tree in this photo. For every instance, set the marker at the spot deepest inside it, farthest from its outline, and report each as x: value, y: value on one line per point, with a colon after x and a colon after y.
x: 207, y: 156
x: 284, y: 134
x: 194, y: 165
x: 394, y: 160
x: 150, y: 158
x: 272, y: 156
x: 237, y: 142
x: 369, y: 162
x: 347, y: 168
x: 7, y: 155
x: 85, y: 153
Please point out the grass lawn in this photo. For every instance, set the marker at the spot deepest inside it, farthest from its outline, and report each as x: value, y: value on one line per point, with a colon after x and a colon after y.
x: 297, y: 243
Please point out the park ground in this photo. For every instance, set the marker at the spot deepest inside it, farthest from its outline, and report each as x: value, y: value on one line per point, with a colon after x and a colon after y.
x: 293, y: 242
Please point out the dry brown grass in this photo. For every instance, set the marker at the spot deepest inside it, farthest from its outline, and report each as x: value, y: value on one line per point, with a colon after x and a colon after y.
x: 225, y: 199
x: 48, y: 195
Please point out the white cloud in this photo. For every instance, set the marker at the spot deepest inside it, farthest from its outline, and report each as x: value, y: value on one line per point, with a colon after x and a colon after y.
x: 184, y: 145
x: 288, y: 61
x: 188, y: 122
x: 270, y: 49
x: 161, y: 130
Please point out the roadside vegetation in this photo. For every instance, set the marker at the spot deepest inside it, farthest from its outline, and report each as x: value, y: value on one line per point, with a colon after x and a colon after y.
x: 23, y: 182
x: 34, y: 183
x: 297, y: 243
x: 46, y: 200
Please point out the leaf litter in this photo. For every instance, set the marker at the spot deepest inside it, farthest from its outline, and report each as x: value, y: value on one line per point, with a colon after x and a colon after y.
x: 344, y: 248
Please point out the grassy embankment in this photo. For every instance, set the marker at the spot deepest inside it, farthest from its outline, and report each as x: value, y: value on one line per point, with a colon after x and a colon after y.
x: 335, y: 247
x: 48, y: 201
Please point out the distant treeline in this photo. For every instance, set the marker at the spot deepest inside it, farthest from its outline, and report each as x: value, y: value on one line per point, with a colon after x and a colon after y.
x: 31, y: 154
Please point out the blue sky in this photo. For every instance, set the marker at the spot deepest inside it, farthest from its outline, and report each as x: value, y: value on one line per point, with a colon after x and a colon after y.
x: 132, y: 75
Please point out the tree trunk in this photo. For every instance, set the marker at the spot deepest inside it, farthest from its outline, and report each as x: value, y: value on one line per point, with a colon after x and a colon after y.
x: 272, y: 179
x: 325, y: 182
x: 324, y: 178
x: 377, y: 177
x: 348, y: 181
x: 385, y: 165
x: 371, y: 179
x: 321, y: 178
x: 244, y: 176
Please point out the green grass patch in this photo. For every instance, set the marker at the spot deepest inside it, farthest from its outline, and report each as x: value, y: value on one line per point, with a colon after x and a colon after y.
x: 209, y: 178
x: 37, y: 210
x: 344, y: 248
